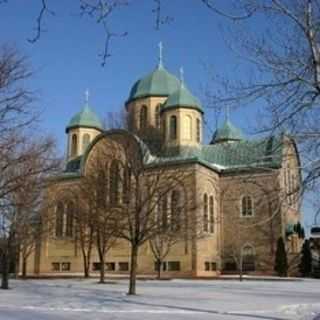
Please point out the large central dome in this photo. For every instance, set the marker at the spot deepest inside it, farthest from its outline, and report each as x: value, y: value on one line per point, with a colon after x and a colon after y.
x: 158, y: 83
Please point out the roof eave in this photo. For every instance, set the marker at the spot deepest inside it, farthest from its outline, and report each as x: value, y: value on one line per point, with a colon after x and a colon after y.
x: 147, y: 95
x: 165, y: 108
x: 83, y: 126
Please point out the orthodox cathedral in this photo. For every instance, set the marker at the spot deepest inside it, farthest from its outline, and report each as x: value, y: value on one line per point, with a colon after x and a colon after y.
x: 244, y: 187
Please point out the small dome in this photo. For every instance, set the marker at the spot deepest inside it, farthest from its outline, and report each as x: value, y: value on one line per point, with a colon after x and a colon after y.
x: 228, y: 132
x: 182, y: 98
x: 85, y: 118
x: 158, y: 83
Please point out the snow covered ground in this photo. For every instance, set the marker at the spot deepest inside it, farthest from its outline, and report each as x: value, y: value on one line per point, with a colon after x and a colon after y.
x: 176, y: 299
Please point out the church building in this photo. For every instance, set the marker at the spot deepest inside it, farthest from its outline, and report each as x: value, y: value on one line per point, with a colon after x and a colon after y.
x: 245, y: 188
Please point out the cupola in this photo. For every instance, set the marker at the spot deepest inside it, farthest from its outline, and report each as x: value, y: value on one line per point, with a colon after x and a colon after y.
x: 147, y: 96
x: 227, y: 133
x: 182, y: 118
x: 83, y: 127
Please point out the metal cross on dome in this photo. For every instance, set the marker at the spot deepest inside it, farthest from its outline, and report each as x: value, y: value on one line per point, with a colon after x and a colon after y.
x: 227, y: 112
x: 160, y: 53
x: 87, y: 94
x: 181, y: 75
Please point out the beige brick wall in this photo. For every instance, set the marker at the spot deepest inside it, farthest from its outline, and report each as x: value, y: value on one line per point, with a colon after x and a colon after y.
x: 260, y: 231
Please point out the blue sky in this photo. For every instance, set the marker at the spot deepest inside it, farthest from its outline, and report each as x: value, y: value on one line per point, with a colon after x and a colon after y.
x: 65, y: 60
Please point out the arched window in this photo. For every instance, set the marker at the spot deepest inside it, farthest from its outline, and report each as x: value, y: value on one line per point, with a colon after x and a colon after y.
x: 157, y: 212
x: 164, y: 209
x: 187, y: 126
x: 70, y: 219
x: 126, y: 184
x: 175, y: 210
x: 246, y: 206
x: 288, y: 182
x: 59, y: 219
x: 157, y: 116
x: 101, y: 191
x: 114, y: 182
x: 173, y: 127
x: 198, y: 130
x: 248, y: 258
x: 74, y: 145
x: 211, y: 214
x: 143, y: 117
x: 292, y: 189
x: 205, y: 212
x: 85, y: 141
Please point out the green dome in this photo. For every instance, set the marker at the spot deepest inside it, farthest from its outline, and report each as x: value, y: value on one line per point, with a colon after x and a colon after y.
x: 158, y: 83
x: 228, y: 132
x: 182, y: 98
x: 85, y: 118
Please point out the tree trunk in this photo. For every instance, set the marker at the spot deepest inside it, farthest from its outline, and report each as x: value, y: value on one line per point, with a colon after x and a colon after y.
x: 24, y: 267
x: 5, y: 271
x: 86, y: 265
x: 159, y: 269
x: 87, y: 269
x: 240, y: 268
x: 133, y: 270
x: 17, y: 263
x: 102, y: 270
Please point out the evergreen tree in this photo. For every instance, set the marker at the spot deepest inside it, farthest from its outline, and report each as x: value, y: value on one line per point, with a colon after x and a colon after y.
x: 306, y: 259
x: 281, y: 262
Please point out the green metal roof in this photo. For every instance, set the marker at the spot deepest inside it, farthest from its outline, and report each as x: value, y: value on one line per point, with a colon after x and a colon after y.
x: 85, y: 118
x: 223, y: 157
x: 228, y: 132
x: 73, y: 165
x: 255, y: 154
x: 182, y: 98
x: 158, y: 83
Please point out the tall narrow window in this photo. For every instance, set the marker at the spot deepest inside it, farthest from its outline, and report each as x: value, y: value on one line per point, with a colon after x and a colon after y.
x: 85, y: 141
x: 157, y: 116
x: 126, y: 184
x: 173, y: 127
x: 198, y: 130
x: 289, y: 186
x: 143, y: 117
x: 292, y: 189
x: 114, y: 182
x: 248, y: 258
x: 246, y: 206
x: 74, y: 145
x: 59, y: 219
x: 205, y: 212
x: 187, y: 128
x: 211, y: 212
x: 70, y: 219
x: 175, y: 210
x: 101, y: 193
x: 164, y: 208
x: 157, y: 212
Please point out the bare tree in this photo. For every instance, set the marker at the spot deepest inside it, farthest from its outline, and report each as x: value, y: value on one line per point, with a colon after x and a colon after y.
x: 84, y: 223
x: 21, y: 196
x: 282, y: 64
x: 143, y: 188
x: 173, y: 224
x: 24, y: 157
x: 102, y: 214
